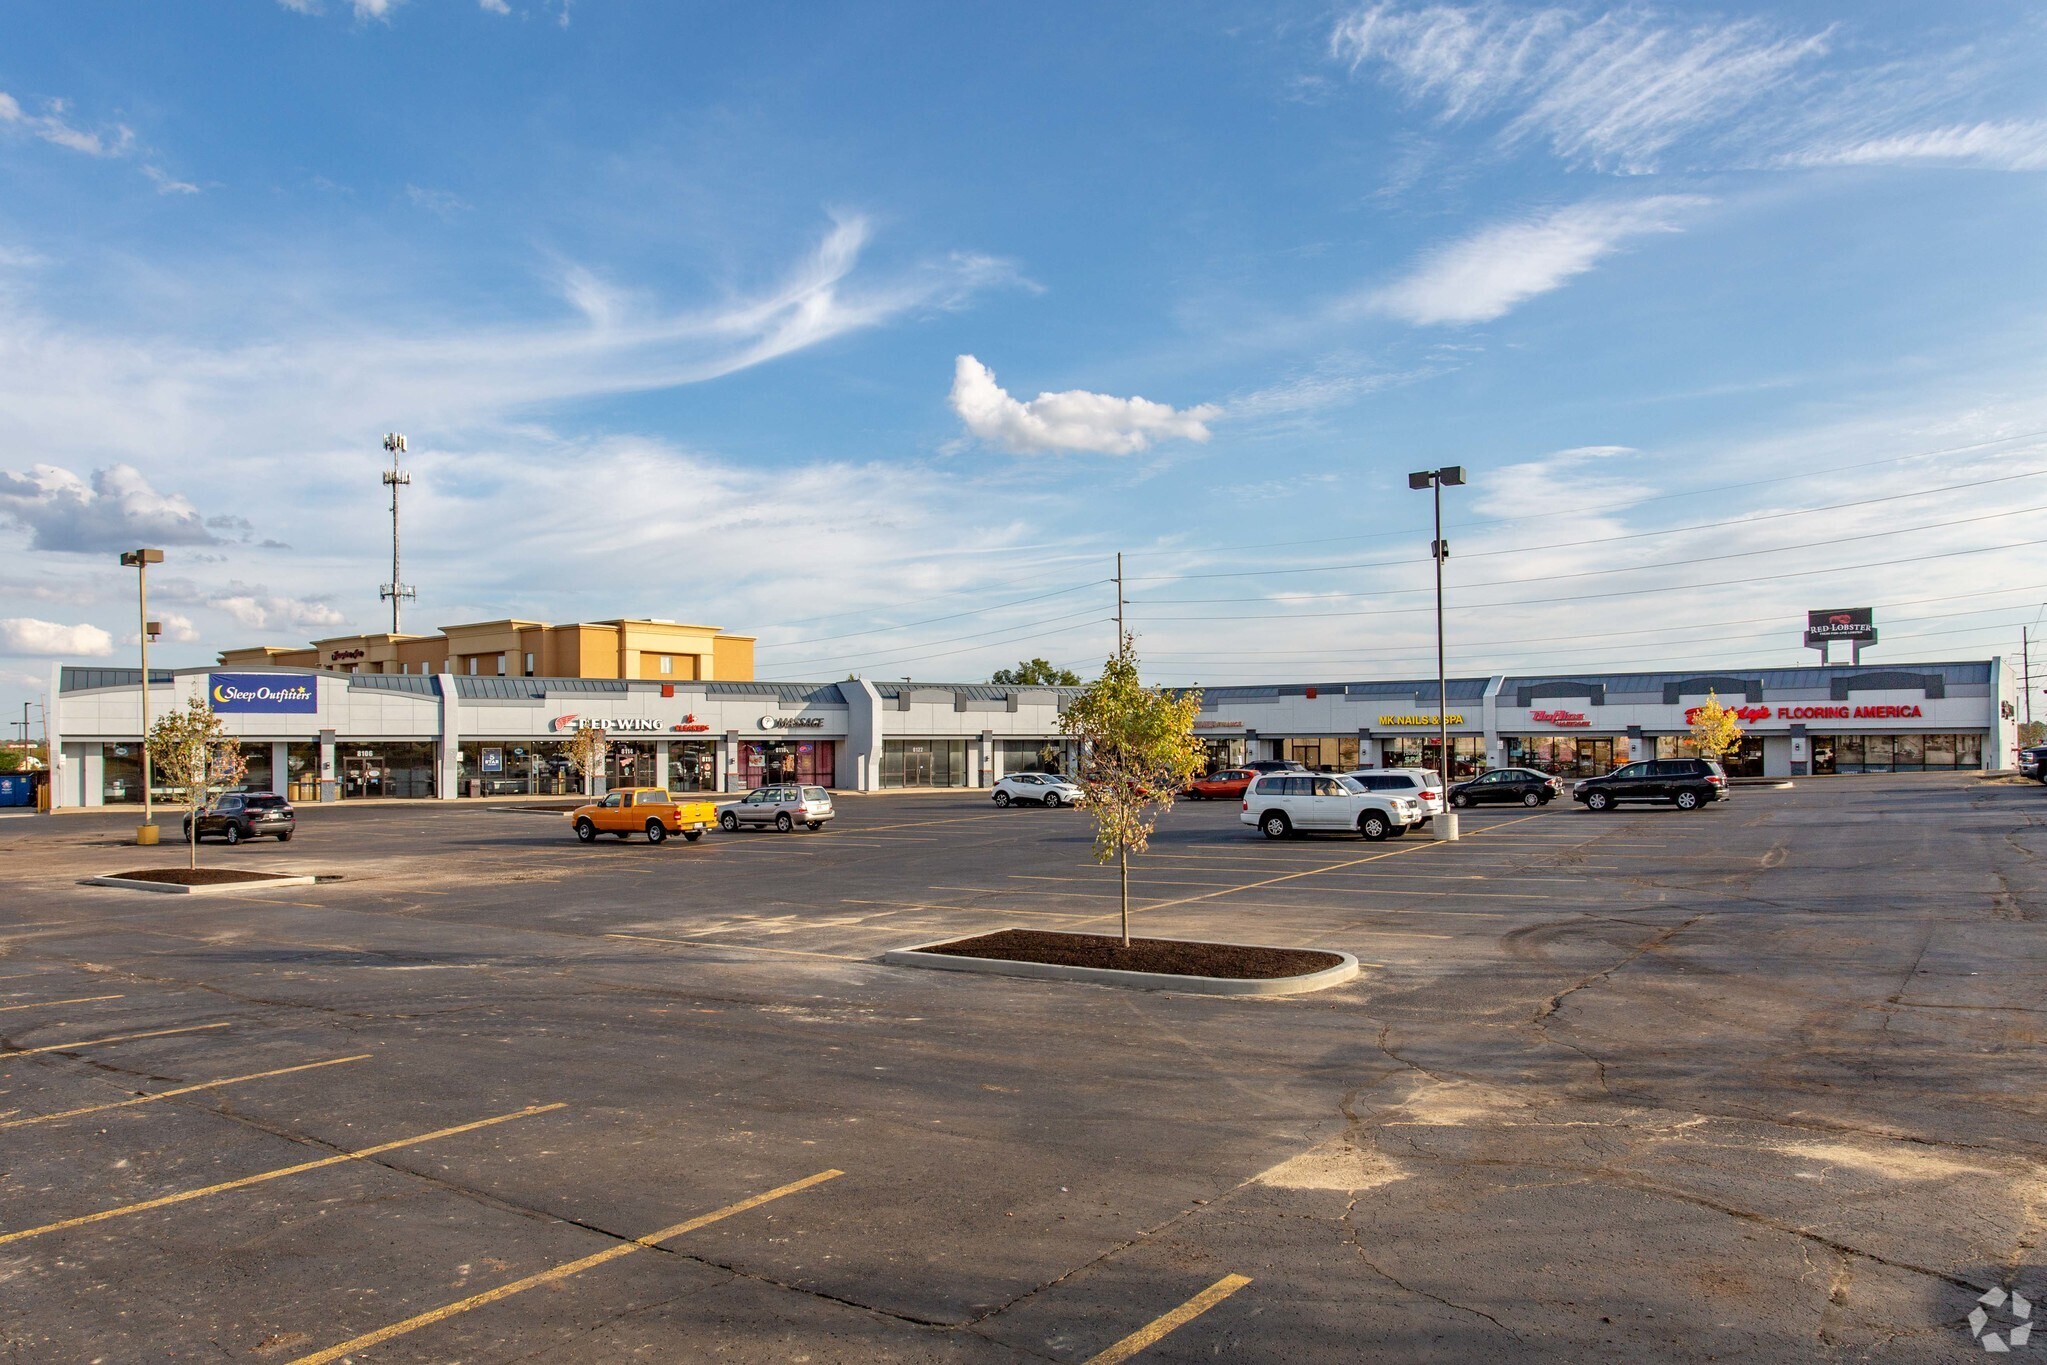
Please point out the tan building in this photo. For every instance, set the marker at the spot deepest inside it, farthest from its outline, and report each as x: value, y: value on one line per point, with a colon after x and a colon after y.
x: 660, y: 651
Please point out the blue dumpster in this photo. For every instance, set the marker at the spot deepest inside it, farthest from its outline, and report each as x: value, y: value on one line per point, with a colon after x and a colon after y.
x: 17, y: 789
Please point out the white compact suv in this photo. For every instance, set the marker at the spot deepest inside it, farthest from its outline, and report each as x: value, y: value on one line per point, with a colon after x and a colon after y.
x: 1422, y: 785
x: 1280, y: 803
x: 1046, y: 789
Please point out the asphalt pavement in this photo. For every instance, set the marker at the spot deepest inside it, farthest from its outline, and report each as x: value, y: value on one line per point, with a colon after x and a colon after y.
x: 1760, y: 1082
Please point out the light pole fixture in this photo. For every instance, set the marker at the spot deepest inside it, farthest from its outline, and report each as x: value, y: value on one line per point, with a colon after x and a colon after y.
x: 1452, y: 476
x: 140, y: 560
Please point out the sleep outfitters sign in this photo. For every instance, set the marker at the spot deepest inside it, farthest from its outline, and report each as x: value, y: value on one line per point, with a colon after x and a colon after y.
x: 255, y: 693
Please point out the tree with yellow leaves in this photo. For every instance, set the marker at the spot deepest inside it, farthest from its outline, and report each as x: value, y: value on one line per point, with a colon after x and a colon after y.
x: 1716, y: 731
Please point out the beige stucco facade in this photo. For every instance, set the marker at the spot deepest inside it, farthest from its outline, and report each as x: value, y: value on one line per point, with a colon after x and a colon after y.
x: 626, y: 648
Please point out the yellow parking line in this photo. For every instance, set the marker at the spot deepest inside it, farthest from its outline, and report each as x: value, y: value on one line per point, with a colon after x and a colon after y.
x: 743, y: 947
x: 560, y: 1272
x: 278, y: 1174
x: 116, y: 1038
x: 46, y: 1004
x: 1157, y: 1328
x: 181, y: 1090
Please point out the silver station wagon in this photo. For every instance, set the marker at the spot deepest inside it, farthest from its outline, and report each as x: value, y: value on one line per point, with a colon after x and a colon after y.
x: 783, y: 807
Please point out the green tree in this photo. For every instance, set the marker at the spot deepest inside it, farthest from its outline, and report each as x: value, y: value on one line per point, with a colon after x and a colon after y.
x: 12, y: 760
x: 1036, y: 673
x: 2031, y: 732
x: 1137, y: 751
x: 195, y: 760
x: 1715, y: 729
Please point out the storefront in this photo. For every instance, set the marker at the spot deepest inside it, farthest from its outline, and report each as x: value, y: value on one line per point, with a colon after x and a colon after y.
x: 1323, y: 753
x: 1035, y: 755
x: 1567, y: 755
x: 1895, y: 753
x: 786, y: 760
x: 387, y: 769
x: 1467, y: 753
x: 923, y: 763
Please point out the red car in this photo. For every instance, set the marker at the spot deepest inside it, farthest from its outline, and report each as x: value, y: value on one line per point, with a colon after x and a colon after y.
x: 1227, y: 785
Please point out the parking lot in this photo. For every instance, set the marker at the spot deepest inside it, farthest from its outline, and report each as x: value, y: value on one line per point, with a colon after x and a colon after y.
x: 1758, y: 1082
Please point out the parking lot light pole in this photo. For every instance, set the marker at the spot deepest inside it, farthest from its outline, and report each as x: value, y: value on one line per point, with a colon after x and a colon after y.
x: 140, y: 560
x: 1445, y: 824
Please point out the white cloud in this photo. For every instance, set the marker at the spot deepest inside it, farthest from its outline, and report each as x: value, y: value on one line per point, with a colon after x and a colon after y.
x: 494, y: 6
x: 1486, y: 274
x: 373, y: 9
x: 117, y: 510
x: 269, y: 611
x: 166, y: 183
x: 52, y: 127
x: 444, y: 203
x: 2009, y: 146
x: 27, y: 635
x: 1074, y: 420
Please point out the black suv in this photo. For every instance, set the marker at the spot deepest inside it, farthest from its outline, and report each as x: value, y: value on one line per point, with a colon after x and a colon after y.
x: 244, y: 815
x: 2033, y: 762
x: 1687, y: 783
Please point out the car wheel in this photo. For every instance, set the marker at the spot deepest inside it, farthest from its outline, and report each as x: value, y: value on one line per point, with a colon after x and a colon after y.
x: 1002, y: 798
x: 728, y: 822
x: 234, y: 832
x: 1374, y: 826
x: 1460, y: 800
x: 585, y: 831
x: 1531, y: 799
x: 1052, y: 801
x: 656, y: 831
x: 1276, y: 826
x: 1688, y: 800
x: 284, y: 837
x: 1397, y: 831
x: 692, y: 835
x: 784, y: 823
x: 1598, y: 801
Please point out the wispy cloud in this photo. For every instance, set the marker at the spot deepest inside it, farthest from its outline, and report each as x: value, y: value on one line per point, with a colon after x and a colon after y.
x: 54, y: 127
x: 166, y: 183
x: 1486, y: 274
x: 116, y: 510
x: 444, y: 203
x: 2007, y: 146
x: 1073, y: 420
x: 1615, y: 91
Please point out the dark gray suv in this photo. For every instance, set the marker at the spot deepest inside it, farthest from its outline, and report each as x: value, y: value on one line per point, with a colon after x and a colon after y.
x: 245, y: 815
x: 1687, y: 783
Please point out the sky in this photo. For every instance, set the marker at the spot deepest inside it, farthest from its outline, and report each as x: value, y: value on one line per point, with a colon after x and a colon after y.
x: 878, y: 331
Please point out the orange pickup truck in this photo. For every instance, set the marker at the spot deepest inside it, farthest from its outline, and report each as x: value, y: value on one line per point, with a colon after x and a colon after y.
x: 643, y: 810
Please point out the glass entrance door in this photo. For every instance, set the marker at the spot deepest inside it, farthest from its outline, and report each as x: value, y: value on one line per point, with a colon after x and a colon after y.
x: 917, y: 768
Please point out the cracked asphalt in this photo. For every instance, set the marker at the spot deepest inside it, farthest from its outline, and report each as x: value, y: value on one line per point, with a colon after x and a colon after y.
x: 1762, y: 1082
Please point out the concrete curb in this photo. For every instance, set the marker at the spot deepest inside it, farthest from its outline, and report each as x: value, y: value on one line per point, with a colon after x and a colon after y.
x: 181, y: 889
x: 917, y: 956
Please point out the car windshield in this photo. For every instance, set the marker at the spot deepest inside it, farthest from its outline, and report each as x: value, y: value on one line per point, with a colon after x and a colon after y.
x: 1350, y: 784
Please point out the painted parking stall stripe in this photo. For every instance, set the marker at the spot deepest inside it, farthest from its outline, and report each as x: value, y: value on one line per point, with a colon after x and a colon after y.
x: 1156, y: 1330
x: 182, y: 1090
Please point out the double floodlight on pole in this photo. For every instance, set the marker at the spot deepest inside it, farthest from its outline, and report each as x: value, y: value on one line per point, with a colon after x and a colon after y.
x: 140, y: 560
x: 1449, y: 476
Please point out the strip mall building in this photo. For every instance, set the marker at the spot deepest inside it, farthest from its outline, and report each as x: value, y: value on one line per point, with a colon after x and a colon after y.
x: 324, y: 734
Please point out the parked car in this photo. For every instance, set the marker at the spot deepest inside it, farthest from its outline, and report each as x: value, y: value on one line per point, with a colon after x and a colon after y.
x: 1046, y: 789
x: 651, y: 811
x: 1276, y: 765
x: 1227, y: 785
x: 236, y: 816
x: 1687, y: 783
x: 783, y: 807
x: 2033, y: 762
x: 1423, y: 785
x: 1523, y: 785
x: 1280, y: 803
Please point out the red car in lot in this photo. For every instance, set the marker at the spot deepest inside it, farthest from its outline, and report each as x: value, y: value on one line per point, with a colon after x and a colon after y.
x: 1227, y: 785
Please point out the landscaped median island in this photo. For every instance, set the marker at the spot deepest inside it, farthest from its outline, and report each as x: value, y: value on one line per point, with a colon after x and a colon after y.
x: 186, y: 881
x: 1167, y: 964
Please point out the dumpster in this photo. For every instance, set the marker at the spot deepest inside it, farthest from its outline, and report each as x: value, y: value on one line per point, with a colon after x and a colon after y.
x: 17, y: 789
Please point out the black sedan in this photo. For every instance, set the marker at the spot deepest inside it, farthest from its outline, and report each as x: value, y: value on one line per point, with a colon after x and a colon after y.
x: 1524, y: 786
x: 245, y: 815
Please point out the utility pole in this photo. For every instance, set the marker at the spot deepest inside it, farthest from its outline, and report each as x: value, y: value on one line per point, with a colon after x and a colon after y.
x: 395, y: 478
x: 1119, y: 601
x: 140, y: 560
x: 2026, y: 669
x: 1434, y: 479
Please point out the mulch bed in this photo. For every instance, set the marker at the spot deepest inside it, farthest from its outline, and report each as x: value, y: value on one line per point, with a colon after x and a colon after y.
x: 1177, y: 957
x: 199, y: 876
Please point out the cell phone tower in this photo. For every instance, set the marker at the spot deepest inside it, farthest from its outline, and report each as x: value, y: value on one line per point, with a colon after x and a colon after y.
x: 396, y: 591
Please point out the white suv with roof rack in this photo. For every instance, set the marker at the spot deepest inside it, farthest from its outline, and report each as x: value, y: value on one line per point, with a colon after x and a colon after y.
x: 1281, y: 803
x: 1423, y: 784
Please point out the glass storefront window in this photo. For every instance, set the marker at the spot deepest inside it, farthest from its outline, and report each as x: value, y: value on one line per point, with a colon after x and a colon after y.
x: 1331, y: 754
x: 1895, y: 753
x: 1037, y: 755
x: 507, y: 767
x: 1746, y: 760
x: 923, y: 763
x: 302, y: 771
x: 693, y: 765
x: 1223, y: 753
x: 121, y: 773
x: 384, y: 768
x: 1908, y: 753
x: 788, y: 760
x: 1567, y: 755
x: 1467, y: 753
x: 256, y: 767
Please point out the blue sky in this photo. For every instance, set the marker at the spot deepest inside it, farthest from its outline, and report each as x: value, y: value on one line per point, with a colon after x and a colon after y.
x: 856, y: 327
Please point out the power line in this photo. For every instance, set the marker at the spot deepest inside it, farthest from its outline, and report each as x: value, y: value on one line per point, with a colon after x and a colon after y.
x: 1625, y: 568
x: 1600, y: 596
x: 1597, y: 540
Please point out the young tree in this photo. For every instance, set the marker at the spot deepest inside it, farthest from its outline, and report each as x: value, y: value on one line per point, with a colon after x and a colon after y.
x: 195, y: 759
x: 589, y: 750
x: 1036, y: 673
x: 1715, y: 729
x: 1137, y: 751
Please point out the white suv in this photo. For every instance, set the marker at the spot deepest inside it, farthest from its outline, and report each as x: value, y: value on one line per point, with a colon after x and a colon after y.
x: 1047, y: 789
x: 1280, y: 803
x: 1421, y: 784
